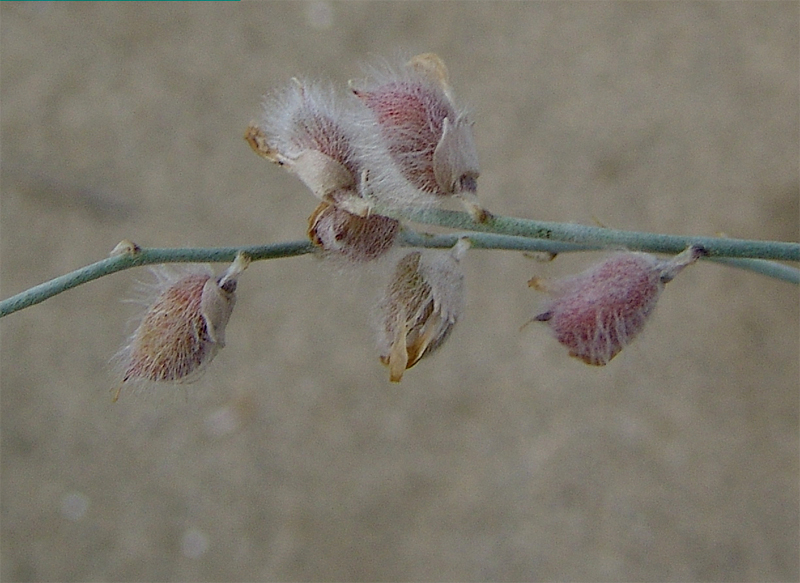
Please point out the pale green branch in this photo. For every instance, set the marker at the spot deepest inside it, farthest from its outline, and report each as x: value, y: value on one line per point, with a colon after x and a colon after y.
x: 497, y: 233
x: 116, y: 263
x: 603, y: 237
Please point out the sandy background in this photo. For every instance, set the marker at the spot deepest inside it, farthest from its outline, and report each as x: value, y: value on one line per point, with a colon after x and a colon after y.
x: 498, y: 459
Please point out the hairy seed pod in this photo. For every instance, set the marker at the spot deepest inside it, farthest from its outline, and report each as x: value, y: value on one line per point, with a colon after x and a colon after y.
x: 183, y: 327
x: 309, y: 132
x: 357, y: 239
x: 423, y: 301
x: 429, y: 142
x: 595, y: 314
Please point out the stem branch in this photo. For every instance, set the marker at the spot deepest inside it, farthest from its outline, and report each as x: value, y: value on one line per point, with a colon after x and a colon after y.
x: 497, y: 232
x: 606, y: 238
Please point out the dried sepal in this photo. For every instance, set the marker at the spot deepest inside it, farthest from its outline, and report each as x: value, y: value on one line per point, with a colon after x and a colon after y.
x: 259, y: 143
x: 598, y: 312
x: 426, y: 150
x: 183, y: 327
x: 219, y: 298
x: 432, y: 66
x: 422, y: 303
x: 352, y: 237
x: 455, y: 163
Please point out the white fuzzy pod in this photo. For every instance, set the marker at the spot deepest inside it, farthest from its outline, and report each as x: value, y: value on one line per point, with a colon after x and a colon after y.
x: 419, y: 146
x: 183, y: 327
x: 309, y: 131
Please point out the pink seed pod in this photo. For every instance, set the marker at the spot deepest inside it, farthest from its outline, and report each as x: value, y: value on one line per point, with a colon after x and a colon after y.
x: 354, y: 238
x: 423, y: 301
x: 426, y: 149
x: 309, y: 132
x: 595, y: 314
x: 183, y: 327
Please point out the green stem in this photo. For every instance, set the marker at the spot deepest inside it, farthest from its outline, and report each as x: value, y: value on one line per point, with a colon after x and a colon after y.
x: 116, y: 263
x: 768, y: 268
x: 606, y: 238
x: 492, y: 241
x: 497, y: 233
x: 511, y: 243
x: 153, y: 256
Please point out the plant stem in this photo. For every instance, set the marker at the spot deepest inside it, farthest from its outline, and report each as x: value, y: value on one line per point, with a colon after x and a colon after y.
x: 768, y: 268
x: 497, y: 233
x: 603, y: 237
x: 492, y: 241
x: 141, y: 257
x: 514, y: 243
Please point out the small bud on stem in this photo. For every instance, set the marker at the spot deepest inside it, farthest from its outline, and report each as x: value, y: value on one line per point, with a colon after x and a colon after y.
x: 357, y: 239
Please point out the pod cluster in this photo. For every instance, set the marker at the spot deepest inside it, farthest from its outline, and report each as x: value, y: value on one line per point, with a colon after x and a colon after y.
x: 394, y: 140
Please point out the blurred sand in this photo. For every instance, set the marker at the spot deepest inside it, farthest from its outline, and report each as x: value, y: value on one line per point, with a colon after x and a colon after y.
x: 498, y: 459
